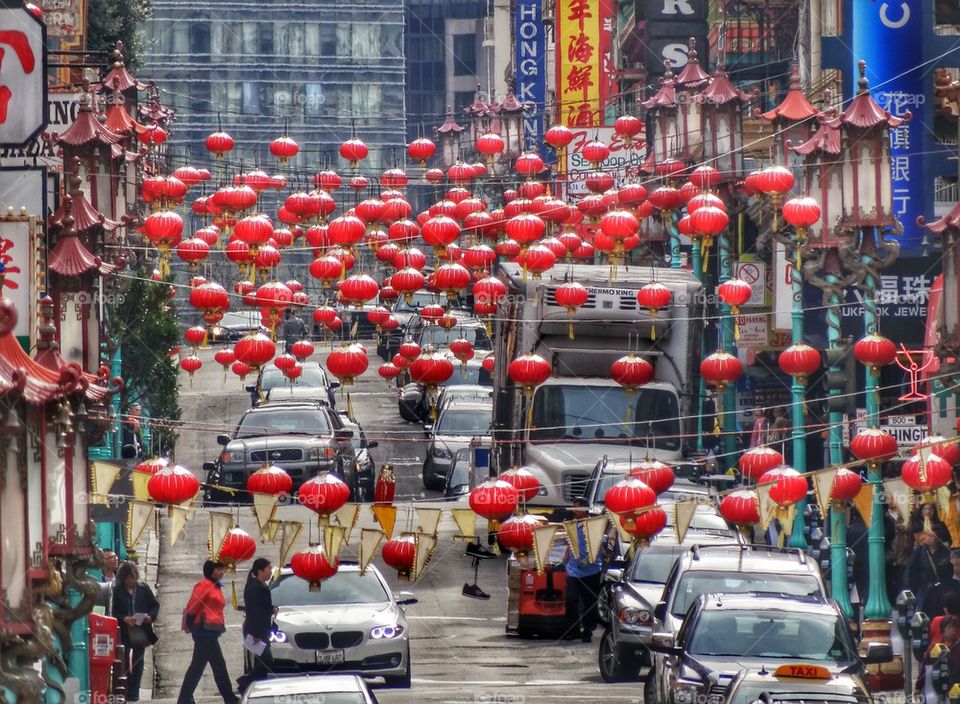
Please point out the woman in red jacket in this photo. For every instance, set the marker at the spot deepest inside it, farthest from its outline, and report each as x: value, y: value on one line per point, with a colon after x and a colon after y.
x: 203, y: 619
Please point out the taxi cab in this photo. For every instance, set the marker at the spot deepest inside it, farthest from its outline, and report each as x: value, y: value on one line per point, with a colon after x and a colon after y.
x: 797, y: 683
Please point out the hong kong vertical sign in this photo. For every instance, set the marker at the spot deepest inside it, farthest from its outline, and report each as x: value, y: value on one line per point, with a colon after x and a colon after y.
x: 23, y: 76
x: 531, y: 49
x: 885, y: 37
x: 583, y: 63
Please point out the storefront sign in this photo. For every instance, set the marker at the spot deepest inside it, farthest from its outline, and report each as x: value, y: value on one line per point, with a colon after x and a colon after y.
x: 530, y: 60
x: 753, y: 331
x: 583, y: 42
x: 17, y: 257
x: 621, y: 160
x: 23, y: 76
x: 62, y: 110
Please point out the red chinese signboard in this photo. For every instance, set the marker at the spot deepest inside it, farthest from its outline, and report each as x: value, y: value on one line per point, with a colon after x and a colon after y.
x: 584, y: 64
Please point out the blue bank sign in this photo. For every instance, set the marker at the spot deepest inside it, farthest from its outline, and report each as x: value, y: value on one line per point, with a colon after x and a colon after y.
x: 530, y: 61
x: 886, y: 35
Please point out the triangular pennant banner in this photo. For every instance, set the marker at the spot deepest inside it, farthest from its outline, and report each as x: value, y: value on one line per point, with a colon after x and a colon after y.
x: 179, y: 517
x: 387, y: 517
x: 428, y: 520
x: 621, y: 531
x: 140, y: 480
x: 822, y: 486
x: 347, y: 516
x: 863, y: 502
x: 684, y: 517
x: 220, y: 524
x: 543, y: 537
x: 370, y: 539
x: 139, y: 515
x: 766, y: 505
x: 595, y: 529
x: 786, y: 516
x: 270, y: 530
x: 102, y: 477
x: 264, y: 508
x: 896, y: 493
x: 289, y: 534
x: 425, y: 544
x: 943, y: 502
x: 333, y: 540
x: 466, y: 521
x: 573, y: 538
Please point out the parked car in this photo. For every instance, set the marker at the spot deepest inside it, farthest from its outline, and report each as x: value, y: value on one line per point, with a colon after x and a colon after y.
x: 797, y: 684
x: 353, y: 623
x: 459, y: 481
x: 313, y: 384
x: 631, y: 590
x: 460, y: 423
x: 405, y: 312
x: 724, y: 633
x: 690, y: 483
x: 413, y: 402
x: 305, y: 439
x: 365, y: 473
x: 310, y: 689
x: 466, y: 392
x: 234, y: 325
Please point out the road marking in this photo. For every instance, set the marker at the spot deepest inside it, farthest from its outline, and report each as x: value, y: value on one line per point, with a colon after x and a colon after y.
x: 457, y: 618
x: 404, y: 460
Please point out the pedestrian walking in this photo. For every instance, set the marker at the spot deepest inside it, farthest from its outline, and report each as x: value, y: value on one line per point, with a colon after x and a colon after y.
x: 257, y: 623
x: 203, y: 620
x: 136, y: 608
x: 107, y: 582
x: 293, y: 328
x: 583, y: 582
x: 760, y: 433
x: 930, y: 555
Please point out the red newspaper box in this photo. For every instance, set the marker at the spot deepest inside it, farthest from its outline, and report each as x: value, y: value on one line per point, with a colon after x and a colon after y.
x: 104, y: 637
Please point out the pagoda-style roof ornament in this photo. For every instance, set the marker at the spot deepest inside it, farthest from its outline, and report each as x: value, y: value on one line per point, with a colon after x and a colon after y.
x: 864, y: 112
x: 666, y: 95
x: 119, y: 78
x: 87, y: 128
x: 721, y: 91
x: 69, y: 257
x: 794, y: 107
x: 949, y: 221
x: 827, y: 139
x: 692, y: 77
x: 450, y: 126
x: 479, y: 107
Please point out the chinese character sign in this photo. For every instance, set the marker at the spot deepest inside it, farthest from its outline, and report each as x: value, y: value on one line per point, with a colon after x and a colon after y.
x: 531, y: 50
x: 23, y: 79
x: 16, y: 245
x: 583, y: 40
x: 885, y: 37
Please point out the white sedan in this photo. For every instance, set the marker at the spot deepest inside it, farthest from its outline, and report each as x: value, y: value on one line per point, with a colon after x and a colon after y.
x: 310, y: 689
x: 354, y: 623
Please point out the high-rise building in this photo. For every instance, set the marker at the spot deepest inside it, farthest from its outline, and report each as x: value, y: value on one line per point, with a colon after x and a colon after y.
x: 326, y: 68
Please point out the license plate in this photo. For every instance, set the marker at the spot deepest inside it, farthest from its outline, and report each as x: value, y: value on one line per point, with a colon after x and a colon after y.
x: 329, y: 657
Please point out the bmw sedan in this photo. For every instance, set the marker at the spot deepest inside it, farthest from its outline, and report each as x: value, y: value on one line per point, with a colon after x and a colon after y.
x: 354, y: 623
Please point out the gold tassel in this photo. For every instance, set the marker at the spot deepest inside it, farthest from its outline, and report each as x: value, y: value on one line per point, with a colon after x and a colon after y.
x: 233, y: 594
x: 529, y: 410
x: 653, y: 333
x: 570, y: 330
x: 349, y: 406
x: 736, y: 330
x: 716, y: 426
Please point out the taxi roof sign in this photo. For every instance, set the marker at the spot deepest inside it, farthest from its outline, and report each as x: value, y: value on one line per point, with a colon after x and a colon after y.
x: 805, y: 672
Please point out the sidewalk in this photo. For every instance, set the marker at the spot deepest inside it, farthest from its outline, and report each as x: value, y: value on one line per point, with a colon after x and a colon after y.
x: 150, y: 574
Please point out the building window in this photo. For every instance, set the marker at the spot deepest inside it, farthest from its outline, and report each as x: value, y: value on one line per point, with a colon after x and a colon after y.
x: 464, y: 55
x: 200, y: 39
x: 313, y: 100
x: 250, y: 100
x: 265, y: 36
x: 461, y: 99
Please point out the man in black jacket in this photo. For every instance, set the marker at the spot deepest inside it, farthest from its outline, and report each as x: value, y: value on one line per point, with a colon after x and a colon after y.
x: 136, y: 608
x: 257, y: 621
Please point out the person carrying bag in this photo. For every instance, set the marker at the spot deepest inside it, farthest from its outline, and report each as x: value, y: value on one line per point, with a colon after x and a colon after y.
x: 135, y: 608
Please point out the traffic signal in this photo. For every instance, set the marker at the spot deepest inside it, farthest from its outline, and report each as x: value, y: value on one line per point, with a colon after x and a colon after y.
x: 841, y: 375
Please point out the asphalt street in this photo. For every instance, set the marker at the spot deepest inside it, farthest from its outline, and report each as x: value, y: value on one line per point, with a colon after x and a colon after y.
x: 460, y: 651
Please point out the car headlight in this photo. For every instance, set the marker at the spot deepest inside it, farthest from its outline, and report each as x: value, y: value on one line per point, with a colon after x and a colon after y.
x: 278, y: 636
x: 226, y: 457
x: 321, y: 453
x: 442, y: 452
x: 634, y: 617
x: 686, y: 692
x: 386, y: 632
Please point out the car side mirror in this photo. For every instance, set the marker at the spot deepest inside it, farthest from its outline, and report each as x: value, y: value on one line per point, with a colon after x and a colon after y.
x: 372, y: 444
x: 660, y: 611
x: 618, y: 564
x: 663, y: 643
x: 128, y: 452
x: 343, y: 434
x: 209, y: 467
x: 223, y: 439
x: 877, y: 653
x: 405, y: 599
x: 613, y: 574
x: 334, y: 384
x: 427, y: 428
x: 250, y: 388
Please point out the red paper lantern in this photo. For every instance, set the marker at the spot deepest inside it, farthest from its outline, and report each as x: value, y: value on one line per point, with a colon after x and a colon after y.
x: 654, y: 296
x: 191, y: 364
x: 236, y: 547
x: 628, y: 127
x: 799, y: 361
x: 313, y: 566
x: 873, y: 445
x: 720, y: 369
x: 219, y: 143
x: 488, y: 364
x: 645, y: 524
x: 619, y: 224
x: 490, y: 144
x: 775, y: 180
x: 462, y: 349
x: 846, y: 485
x: 399, y: 553
x: 421, y: 149
x: 926, y: 475
x: 655, y: 474
x: 801, y: 212
x: 740, y: 508
x: 409, y: 349
x: 875, y: 351
x: 631, y: 371
x: 241, y: 369
x: 521, y: 479
x: 528, y: 164
x: 284, y: 148
x: 359, y: 289
x: 348, y: 362
x: 225, y: 357
x: 301, y: 349
x: 939, y: 446
x: 494, y: 499
x: 388, y: 371
x: 354, y: 151
x: 270, y: 479
x: 789, y: 486
x: 628, y: 495
x: 705, y: 177
x: 708, y: 222
x: 529, y: 371
x: 431, y: 369
x: 173, y: 485
x: 324, y: 494
x: 595, y: 152
x: 558, y: 136
x: 516, y: 533
x: 757, y: 461
x: 734, y: 292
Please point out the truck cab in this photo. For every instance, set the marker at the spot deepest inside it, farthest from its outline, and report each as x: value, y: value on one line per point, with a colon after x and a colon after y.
x: 580, y: 414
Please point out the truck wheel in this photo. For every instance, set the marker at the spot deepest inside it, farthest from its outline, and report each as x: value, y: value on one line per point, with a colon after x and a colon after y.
x: 614, y: 665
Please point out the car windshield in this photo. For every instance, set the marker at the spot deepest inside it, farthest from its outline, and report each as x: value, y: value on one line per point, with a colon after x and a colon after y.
x: 342, y: 588
x: 463, y: 422
x: 771, y: 634
x: 309, y: 698
x: 562, y: 412
x: 472, y: 375
x: 440, y: 337
x: 693, y: 583
x: 653, y: 564
x: 418, y: 301
x: 460, y: 471
x: 775, y: 691
x: 278, y: 421
x: 310, y: 377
